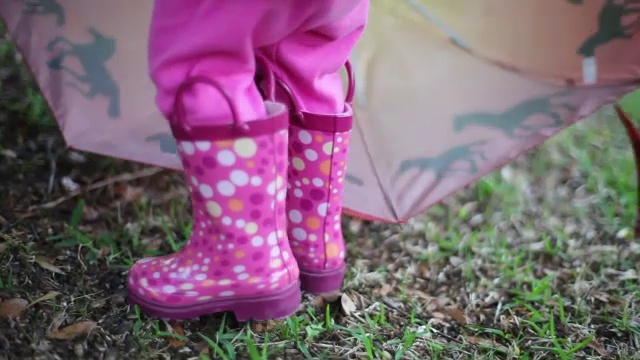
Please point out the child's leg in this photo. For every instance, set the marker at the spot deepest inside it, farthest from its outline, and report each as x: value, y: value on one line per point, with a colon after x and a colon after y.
x: 211, y: 38
x: 308, y: 63
x: 237, y: 257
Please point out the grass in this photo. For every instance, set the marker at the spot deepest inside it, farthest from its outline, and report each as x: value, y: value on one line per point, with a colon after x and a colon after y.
x: 536, y: 261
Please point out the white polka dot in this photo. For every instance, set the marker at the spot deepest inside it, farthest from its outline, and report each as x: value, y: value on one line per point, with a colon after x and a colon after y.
x: 299, y: 233
x: 192, y: 293
x: 226, y: 188
x: 224, y: 282
x: 311, y: 155
x: 280, y: 233
x: 275, y: 251
x: 272, y: 239
x: 144, y: 282
x: 227, y: 293
x: 256, y: 181
x: 257, y: 241
x: 322, y: 209
x: 204, y: 298
x: 206, y: 261
x: 297, y: 193
x: 243, y: 276
x: 239, y: 177
x: 312, y: 237
x: 214, y: 208
x: 271, y: 188
x: 206, y: 191
x: 195, y: 267
x: 239, y: 268
x: 295, y: 216
x: 279, y: 182
x: 226, y: 158
x: 156, y: 275
x: 187, y: 147
x: 201, y: 277
x: 282, y: 194
x: 339, y: 139
x: 203, y: 145
x: 317, y: 182
x: 204, y: 268
x: 194, y: 181
x: 169, y: 289
x: 226, y: 220
x: 298, y: 183
x: 328, y: 148
x: 304, y: 137
x: 187, y: 286
x: 285, y: 255
x: 241, y: 223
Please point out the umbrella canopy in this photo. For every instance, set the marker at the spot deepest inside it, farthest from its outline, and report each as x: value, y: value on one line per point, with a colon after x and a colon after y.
x: 446, y: 91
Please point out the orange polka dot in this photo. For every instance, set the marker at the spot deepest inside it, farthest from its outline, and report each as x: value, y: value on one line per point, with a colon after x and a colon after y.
x: 189, y: 262
x: 332, y: 250
x: 319, y: 138
x: 335, y: 198
x: 208, y: 283
x: 224, y: 143
x: 235, y: 205
x: 216, y: 258
x: 313, y: 223
x: 325, y: 167
x: 251, y: 164
x: 341, y: 163
x: 239, y: 254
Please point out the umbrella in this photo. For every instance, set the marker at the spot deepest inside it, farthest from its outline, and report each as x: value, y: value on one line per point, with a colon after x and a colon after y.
x: 445, y: 91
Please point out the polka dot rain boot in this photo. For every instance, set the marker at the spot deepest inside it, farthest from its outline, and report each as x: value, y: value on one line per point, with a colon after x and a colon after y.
x: 238, y: 258
x: 317, y: 167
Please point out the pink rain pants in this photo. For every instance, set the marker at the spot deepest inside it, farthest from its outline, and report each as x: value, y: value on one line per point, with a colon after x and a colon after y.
x: 306, y: 43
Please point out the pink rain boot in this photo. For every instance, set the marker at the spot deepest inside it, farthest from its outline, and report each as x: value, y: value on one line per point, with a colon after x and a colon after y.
x: 238, y: 258
x: 318, y: 152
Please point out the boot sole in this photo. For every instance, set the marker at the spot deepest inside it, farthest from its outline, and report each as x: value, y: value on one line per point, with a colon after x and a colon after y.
x: 274, y: 306
x: 325, y: 282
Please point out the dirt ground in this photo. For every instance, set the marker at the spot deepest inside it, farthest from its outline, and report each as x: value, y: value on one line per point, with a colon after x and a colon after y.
x: 536, y: 261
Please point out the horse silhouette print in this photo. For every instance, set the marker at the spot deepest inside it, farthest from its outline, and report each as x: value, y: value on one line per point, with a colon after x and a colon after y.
x: 611, y: 27
x: 93, y: 57
x: 44, y: 8
x: 443, y: 164
x: 514, y: 118
x: 167, y: 142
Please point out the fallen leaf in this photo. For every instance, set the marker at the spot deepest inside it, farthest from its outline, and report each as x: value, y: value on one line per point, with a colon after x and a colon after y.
x: 45, y: 263
x: 457, y: 315
x: 72, y: 331
x: 487, y: 343
x: 317, y: 302
x: 262, y: 326
x: 599, y: 348
x: 104, y: 252
x: 129, y: 193
x: 178, y: 330
x: 348, y: 306
x: 12, y: 308
x: 48, y: 296
x: 385, y: 289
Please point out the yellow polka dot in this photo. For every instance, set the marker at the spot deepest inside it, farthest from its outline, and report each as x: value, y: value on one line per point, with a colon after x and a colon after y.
x: 239, y: 254
x: 245, y: 147
x: 305, y: 181
x: 328, y: 148
x: 214, y: 209
x: 332, y: 250
x: 325, y: 167
x: 279, y: 181
x: 313, y: 223
x: 251, y: 228
x: 297, y: 163
x: 276, y: 263
x: 313, y: 237
x: 319, y: 138
x: 224, y: 143
x: 254, y: 279
x: 236, y: 205
x: 208, y: 283
x: 251, y: 164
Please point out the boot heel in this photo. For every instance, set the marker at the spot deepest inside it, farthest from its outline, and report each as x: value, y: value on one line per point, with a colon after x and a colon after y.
x: 270, y: 307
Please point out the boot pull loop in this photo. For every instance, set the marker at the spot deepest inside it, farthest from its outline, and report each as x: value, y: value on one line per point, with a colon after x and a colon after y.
x: 180, y: 111
x: 269, y: 76
x: 351, y: 83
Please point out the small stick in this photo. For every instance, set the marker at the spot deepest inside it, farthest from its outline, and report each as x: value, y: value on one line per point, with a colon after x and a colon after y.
x: 100, y: 184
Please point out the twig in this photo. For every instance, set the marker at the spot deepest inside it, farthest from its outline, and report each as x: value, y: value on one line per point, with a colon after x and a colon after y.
x: 100, y: 184
x: 52, y: 165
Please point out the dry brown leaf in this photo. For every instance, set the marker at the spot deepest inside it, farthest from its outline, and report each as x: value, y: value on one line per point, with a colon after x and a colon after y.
x: 48, y: 296
x: 385, y: 289
x: 262, y: 326
x: 317, y: 302
x: 178, y: 330
x: 348, y: 306
x: 12, y: 308
x: 129, y: 193
x: 599, y: 348
x: 487, y: 343
x: 47, y: 264
x: 72, y: 331
x: 457, y: 315
x: 104, y: 252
